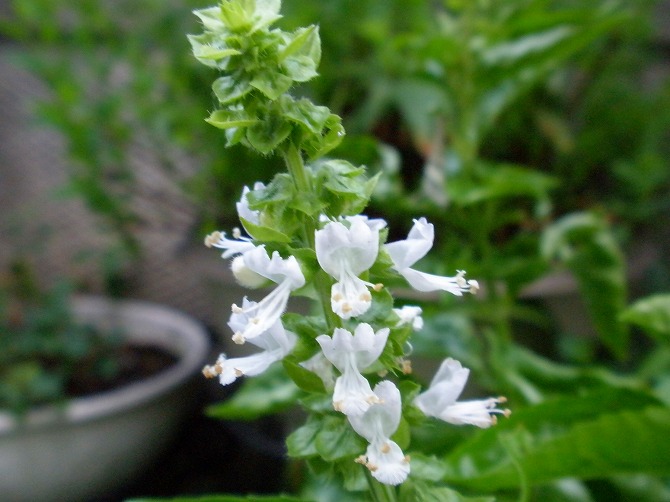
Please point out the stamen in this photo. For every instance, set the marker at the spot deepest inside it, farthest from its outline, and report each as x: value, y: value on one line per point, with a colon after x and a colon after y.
x: 406, y: 367
x: 238, y: 373
x: 212, y: 239
x: 386, y: 448
x: 238, y: 338
x: 365, y: 297
x: 337, y: 297
x: 237, y: 234
x: 378, y: 287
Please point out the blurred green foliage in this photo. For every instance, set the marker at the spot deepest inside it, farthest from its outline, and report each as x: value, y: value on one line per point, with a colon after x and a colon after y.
x: 46, y: 356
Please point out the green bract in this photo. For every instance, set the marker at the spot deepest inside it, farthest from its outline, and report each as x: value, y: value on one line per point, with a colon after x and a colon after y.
x: 261, y: 65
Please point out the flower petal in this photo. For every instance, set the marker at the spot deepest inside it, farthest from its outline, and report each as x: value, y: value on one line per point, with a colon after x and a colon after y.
x: 407, y: 252
x: 387, y: 463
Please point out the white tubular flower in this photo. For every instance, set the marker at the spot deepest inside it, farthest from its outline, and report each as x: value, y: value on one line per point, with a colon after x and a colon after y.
x: 236, y: 246
x: 439, y: 400
x: 407, y: 252
x: 262, y: 315
x: 243, y: 210
x: 276, y: 343
x: 410, y: 314
x: 351, y: 354
x: 344, y: 253
x: 383, y: 457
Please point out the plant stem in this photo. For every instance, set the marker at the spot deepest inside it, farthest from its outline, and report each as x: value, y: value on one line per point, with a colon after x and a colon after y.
x: 380, y: 492
x: 296, y: 168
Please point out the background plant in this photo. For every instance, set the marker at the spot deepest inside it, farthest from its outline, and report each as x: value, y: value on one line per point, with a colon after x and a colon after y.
x: 46, y: 356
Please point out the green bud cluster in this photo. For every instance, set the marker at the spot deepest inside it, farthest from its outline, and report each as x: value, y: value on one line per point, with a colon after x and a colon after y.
x: 260, y: 65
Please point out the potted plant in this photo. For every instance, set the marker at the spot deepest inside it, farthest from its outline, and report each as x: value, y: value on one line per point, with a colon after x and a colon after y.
x: 91, y: 388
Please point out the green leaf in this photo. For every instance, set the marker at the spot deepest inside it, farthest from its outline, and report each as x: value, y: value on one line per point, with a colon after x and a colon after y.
x: 224, y: 498
x: 501, y: 181
x: 264, y: 234
x: 318, y: 146
x: 585, y: 244
x: 208, y: 53
x: 300, y: 58
x: 596, y: 435
x: 652, y: 314
x: 301, y: 443
x: 303, y: 378
x: 306, y: 114
x: 337, y: 440
x: 224, y: 119
x: 229, y: 89
x: 419, y: 491
x: 265, y: 135
x: 272, y: 84
x: 258, y: 396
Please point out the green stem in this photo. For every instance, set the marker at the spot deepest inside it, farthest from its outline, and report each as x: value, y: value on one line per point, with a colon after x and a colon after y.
x: 380, y: 492
x: 322, y: 284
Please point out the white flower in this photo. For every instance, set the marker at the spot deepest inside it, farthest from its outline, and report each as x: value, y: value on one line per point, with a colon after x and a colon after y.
x: 407, y: 252
x: 410, y: 314
x: 344, y: 253
x: 440, y: 399
x: 236, y: 246
x: 276, y: 343
x: 243, y: 210
x: 383, y: 457
x: 286, y: 273
x: 351, y: 354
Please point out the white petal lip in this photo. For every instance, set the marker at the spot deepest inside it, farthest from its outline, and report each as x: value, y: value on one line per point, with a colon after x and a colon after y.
x: 410, y: 314
x: 387, y: 463
x: 419, y: 241
x: 440, y: 400
x: 275, y: 268
x: 384, y: 458
x: 351, y: 354
x: 286, y: 273
x: 339, y: 248
x: 344, y: 253
x: 381, y: 420
x: 364, y: 346
x: 243, y: 210
x: 406, y: 253
x: 276, y: 342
